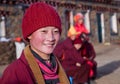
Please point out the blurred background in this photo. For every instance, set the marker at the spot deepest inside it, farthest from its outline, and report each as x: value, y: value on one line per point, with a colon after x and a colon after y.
x: 102, y: 19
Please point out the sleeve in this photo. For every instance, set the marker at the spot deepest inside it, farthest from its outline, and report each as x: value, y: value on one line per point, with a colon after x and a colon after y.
x: 9, y: 77
x: 91, y: 52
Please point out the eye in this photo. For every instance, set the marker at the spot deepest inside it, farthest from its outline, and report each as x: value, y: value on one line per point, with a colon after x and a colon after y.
x: 43, y: 31
x: 56, y: 31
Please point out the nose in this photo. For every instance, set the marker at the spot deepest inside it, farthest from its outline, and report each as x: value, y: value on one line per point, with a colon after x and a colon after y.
x: 51, y: 36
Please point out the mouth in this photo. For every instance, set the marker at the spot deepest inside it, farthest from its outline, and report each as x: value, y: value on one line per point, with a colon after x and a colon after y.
x: 50, y: 45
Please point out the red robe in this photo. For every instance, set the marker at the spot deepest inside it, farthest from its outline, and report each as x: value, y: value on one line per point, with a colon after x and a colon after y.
x: 81, y: 29
x: 69, y: 56
x: 88, y: 51
x: 18, y: 72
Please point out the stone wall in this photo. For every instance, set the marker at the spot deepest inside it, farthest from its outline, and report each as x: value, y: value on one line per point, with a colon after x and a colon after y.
x: 13, y: 22
x: 93, y: 24
x: 116, y: 38
x: 7, y: 52
x: 94, y: 34
x: 13, y: 29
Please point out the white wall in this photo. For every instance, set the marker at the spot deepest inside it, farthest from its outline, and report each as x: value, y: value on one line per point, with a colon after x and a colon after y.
x: 103, y: 27
x: 2, y: 27
x: 113, y: 23
x: 87, y: 20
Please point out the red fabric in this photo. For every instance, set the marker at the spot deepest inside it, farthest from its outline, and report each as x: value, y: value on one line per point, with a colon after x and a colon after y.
x: 48, y: 73
x: 37, y: 16
x: 81, y: 29
x: 18, y: 72
x: 77, y: 41
x: 71, y: 57
x: 91, y: 67
x: 88, y: 51
x: 18, y: 39
x: 66, y: 47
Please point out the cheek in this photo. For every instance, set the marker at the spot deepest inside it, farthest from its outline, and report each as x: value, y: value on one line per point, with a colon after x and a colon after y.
x: 72, y: 37
x: 80, y: 46
x: 36, y: 40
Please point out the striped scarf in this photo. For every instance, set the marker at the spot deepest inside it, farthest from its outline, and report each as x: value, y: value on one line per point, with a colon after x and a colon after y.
x: 38, y: 72
x: 49, y: 70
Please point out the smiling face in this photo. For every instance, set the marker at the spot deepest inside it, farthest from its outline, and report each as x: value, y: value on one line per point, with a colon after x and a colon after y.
x: 44, y: 40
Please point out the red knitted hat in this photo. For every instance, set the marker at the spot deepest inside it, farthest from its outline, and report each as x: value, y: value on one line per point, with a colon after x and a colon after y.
x: 77, y: 41
x: 37, y: 16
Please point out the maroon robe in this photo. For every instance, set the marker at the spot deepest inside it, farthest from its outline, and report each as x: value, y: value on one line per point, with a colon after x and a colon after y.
x: 18, y: 72
x: 88, y: 51
x: 69, y: 56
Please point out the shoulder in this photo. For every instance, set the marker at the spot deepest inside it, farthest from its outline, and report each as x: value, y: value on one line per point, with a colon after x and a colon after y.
x: 16, y: 66
x: 10, y: 73
x: 17, y: 72
x: 18, y: 63
x: 60, y: 44
x: 68, y: 43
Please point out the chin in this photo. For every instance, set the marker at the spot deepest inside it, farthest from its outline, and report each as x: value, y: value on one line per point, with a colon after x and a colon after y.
x: 49, y: 52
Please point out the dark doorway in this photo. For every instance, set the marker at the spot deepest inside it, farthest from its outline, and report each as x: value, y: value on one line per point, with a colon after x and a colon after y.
x: 99, y: 27
x: 67, y: 19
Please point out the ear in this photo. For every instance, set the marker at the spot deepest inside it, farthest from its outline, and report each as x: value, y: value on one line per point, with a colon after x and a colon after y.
x: 29, y: 37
